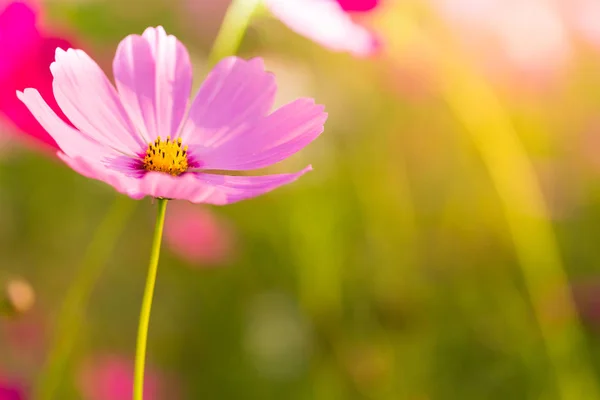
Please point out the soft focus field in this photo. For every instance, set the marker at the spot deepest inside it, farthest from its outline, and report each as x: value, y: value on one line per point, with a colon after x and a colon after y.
x: 453, y: 209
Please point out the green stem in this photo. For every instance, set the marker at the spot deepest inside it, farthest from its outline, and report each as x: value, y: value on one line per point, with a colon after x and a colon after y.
x: 142, y: 338
x: 232, y: 30
x: 74, y: 304
x: 228, y: 41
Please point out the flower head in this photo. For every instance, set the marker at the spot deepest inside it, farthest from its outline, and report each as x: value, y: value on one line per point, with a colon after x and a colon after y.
x: 27, y: 54
x: 144, y: 138
x: 328, y: 22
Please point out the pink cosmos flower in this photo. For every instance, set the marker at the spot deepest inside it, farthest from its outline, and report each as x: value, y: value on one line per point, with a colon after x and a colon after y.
x: 9, y: 389
x: 27, y: 54
x: 144, y: 140
x: 197, y: 235
x: 110, y: 377
x: 328, y: 22
x: 10, y: 392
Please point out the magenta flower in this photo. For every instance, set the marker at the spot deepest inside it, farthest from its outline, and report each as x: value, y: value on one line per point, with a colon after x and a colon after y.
x: 197, y: 235
x: 358, y: 5
x: 10, y: 391
x: 328, y: 22
x: 144, y: 140
x: 27, y: 54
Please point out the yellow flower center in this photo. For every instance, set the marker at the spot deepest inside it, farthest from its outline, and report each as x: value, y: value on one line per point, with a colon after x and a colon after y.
x: 167, y: 156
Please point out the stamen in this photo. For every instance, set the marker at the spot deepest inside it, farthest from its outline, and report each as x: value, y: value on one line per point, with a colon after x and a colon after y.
x: 166, y: 156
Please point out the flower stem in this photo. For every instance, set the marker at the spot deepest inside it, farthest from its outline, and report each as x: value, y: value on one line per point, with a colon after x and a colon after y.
x: 232, y: 30
x: 78, y: 294
x: 142, y: 338
x: 228, y: 41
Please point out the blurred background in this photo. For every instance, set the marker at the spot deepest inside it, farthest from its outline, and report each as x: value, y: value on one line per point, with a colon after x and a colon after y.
x: 444, y: 247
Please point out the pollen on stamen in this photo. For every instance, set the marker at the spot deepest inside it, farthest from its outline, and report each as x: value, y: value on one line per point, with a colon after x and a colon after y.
x: 168, y: 156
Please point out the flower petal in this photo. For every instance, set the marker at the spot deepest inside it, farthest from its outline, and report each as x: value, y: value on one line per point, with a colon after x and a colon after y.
x: 19, y: 36
x: 274, y: 138
x: 231, y: 189
x: 88, y: 99
x: 122, y: 182
x: 325, y: 22
x: 31, y: 71
x: 235, y: 93
x: 153, y: 74
x: 27, y: 55
x: 155, y: 184
x: 70, y: 140
x: 194, y: 187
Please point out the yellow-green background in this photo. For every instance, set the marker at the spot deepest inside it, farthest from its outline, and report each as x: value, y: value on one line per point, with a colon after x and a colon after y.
x: 389, y: 272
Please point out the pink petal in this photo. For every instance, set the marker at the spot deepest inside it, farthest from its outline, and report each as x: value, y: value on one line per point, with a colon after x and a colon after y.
x: 122, y: 182
x: 153, y: 74
x: 235, y: 93
x: 194, y: 187
x: 325, y: 22
x: 70, y: 140
x: 274, y: 138
x: 90, y: 101
x: 155, y: 184
x: 231, y: 189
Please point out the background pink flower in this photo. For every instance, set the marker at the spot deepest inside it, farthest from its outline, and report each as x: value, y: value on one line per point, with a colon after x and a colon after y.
x: 358, y: 5
x: 110, y: 377
x: 328, y: 23
x: 524, y: 41
x: 10, y: 390
x: 583, y: 16
x: 198, y: 235
x: 27, y: 54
